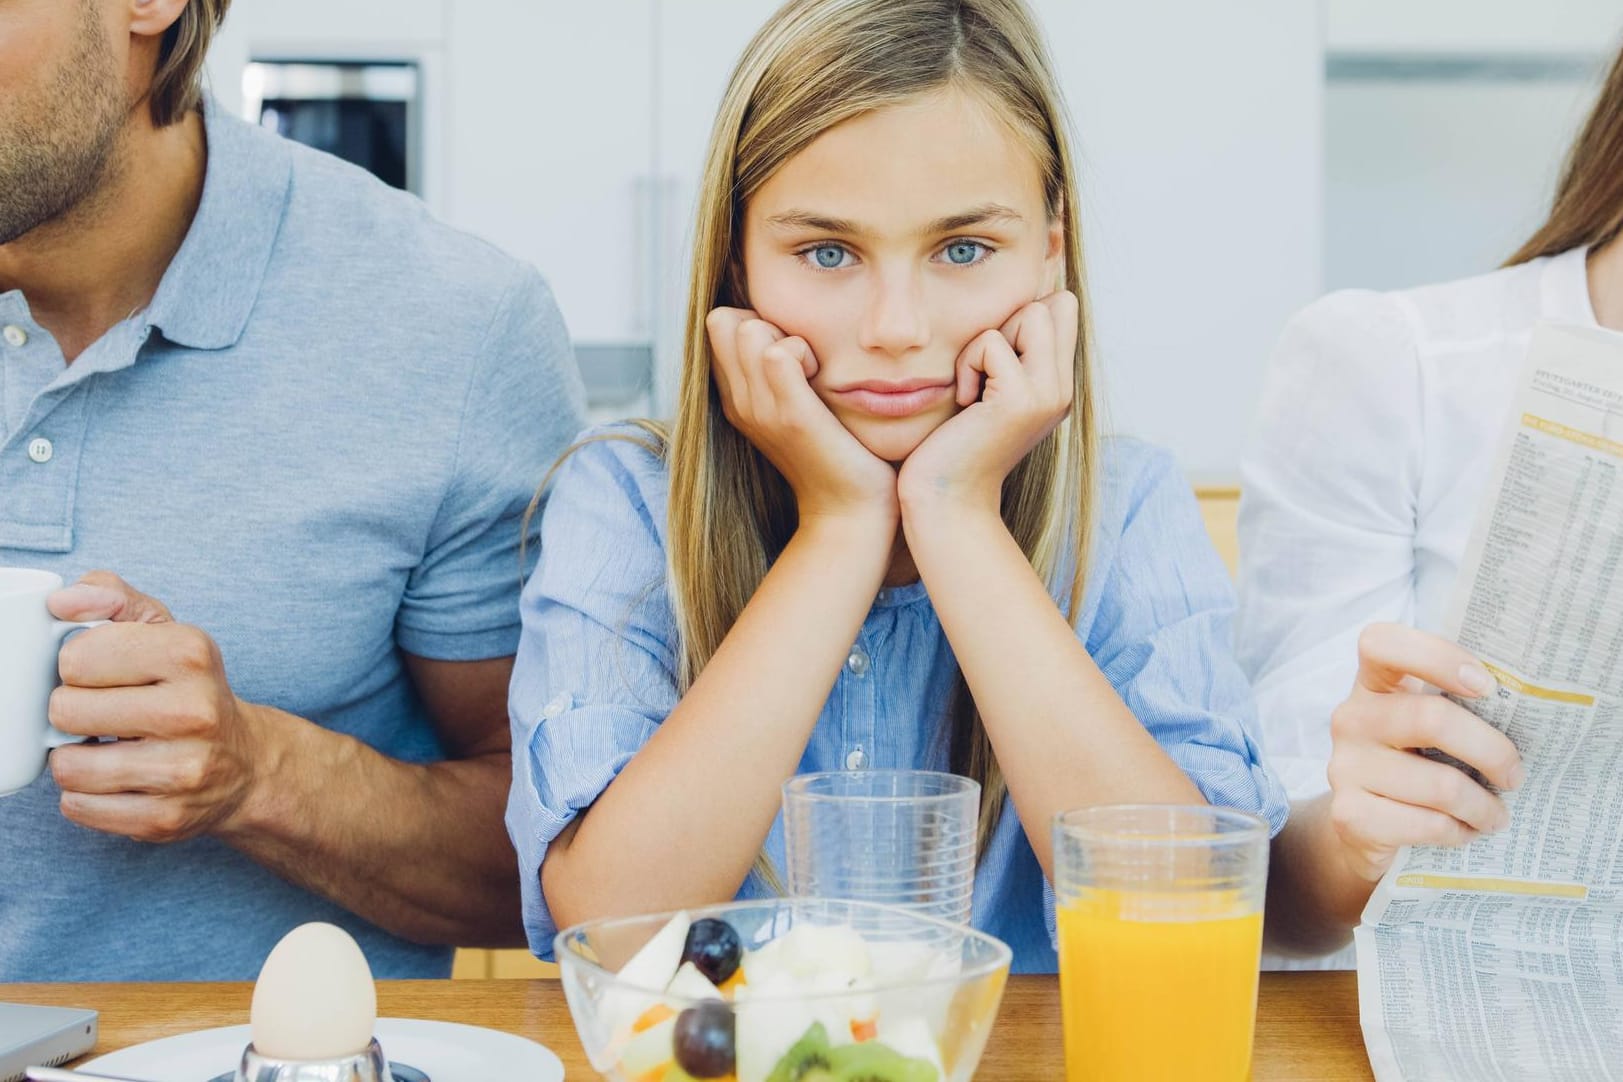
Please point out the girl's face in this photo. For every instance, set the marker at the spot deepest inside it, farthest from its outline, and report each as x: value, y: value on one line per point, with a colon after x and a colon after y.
x: 889, y: 243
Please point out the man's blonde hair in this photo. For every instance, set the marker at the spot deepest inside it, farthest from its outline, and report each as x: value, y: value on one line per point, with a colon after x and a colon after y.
x: 178, y: 85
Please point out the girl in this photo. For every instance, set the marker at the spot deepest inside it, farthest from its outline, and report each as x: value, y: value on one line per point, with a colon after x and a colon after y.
x: 872, y: 536
x: 1380, y: 423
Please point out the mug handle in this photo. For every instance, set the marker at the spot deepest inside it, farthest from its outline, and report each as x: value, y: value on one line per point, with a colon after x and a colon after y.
x: 54, y: 737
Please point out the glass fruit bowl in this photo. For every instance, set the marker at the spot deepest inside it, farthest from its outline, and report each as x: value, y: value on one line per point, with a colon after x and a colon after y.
x: 784, y: 990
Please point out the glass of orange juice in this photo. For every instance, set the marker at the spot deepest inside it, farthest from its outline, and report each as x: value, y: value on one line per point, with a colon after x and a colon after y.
x: 1160, y: 939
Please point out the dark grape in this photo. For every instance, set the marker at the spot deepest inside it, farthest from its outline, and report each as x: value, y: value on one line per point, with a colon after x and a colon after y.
x: 714, y: 948
x: 704, y: 1040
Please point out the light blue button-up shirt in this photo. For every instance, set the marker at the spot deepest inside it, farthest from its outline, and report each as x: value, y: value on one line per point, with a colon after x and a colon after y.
x: 316, y: 443
x: 597, y: 661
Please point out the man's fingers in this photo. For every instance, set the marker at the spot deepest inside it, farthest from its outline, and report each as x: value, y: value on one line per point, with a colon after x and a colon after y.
x: 125, y: 713
x: 1387, y: 653
x: 139, y: 816
x: 134, y: 655
x: 128, y: 766
x: 102, y: 595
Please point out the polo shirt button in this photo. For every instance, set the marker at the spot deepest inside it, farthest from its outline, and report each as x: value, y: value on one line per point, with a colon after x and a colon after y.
x: 857, y: 663
x: 15, y: 336
x: 856, y: 760
x: 40, y: 450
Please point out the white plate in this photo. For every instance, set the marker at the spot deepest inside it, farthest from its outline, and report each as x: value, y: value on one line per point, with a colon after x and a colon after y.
x: 447, y: 1051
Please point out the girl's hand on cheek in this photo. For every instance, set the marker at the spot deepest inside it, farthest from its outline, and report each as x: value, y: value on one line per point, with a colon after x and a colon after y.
x: 763, y: 376
x: 1015, y: 384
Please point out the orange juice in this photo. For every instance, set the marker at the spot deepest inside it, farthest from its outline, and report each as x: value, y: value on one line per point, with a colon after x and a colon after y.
x: 1147, y: 1000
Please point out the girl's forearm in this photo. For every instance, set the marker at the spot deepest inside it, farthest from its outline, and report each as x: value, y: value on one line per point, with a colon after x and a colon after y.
x: 1062, y: 735
x: 686, y: 818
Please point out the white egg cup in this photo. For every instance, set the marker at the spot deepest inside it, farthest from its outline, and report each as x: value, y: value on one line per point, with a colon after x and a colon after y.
x: 367, y: 1066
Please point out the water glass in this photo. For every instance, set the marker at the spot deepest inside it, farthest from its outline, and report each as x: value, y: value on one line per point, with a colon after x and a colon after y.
x: 896, y: 837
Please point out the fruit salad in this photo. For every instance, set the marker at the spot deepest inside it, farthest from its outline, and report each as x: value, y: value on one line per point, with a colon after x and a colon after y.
x: 819, y: 1003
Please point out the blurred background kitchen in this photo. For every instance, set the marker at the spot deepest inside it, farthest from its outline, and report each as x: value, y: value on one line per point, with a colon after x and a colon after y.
x: 1240, y: 158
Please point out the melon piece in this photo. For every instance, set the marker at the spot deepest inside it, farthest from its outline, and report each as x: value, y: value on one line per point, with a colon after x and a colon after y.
x: 689, y: 983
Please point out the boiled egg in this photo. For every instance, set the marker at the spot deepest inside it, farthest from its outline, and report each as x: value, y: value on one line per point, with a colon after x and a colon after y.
x: 315, y: 998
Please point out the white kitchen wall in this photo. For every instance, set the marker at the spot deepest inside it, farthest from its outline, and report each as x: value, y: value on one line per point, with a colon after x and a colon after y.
x: 1199, y: 126
x: 1470, y: 26
x: 1432, y: 179
x: 1446, y: 125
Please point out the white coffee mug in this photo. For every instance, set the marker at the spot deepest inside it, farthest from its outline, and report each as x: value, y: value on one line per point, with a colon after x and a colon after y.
x: 30, y: 639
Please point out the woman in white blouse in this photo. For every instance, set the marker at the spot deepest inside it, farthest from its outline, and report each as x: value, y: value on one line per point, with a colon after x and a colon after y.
x: 1378, y: 428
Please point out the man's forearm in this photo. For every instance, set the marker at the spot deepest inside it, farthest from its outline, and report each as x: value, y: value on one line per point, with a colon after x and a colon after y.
x: 1314, y: 897
x: 419, y: 850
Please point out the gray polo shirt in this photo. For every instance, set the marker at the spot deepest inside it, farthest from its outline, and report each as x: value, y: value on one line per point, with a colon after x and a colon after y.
x: 316, y: 444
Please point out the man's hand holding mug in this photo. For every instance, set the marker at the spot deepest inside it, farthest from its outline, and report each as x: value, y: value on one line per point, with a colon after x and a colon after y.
x: 181, y: 759
x: 30, y: 638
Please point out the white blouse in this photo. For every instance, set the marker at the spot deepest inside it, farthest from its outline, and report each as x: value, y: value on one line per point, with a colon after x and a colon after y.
x: 1377, y: 431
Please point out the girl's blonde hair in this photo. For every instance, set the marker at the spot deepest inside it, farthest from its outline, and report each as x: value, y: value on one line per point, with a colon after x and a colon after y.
x: 816, y: 64
x: 1588, y: 206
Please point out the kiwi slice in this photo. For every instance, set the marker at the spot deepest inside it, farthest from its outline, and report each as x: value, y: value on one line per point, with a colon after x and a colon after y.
x: 875, y: 1062
x: 807, y: 1059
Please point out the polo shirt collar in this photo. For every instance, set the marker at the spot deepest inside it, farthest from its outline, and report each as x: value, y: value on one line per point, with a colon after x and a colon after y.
x: 207, y: 294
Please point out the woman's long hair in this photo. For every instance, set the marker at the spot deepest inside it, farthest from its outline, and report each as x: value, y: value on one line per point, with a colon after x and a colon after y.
x: 1588, y: 206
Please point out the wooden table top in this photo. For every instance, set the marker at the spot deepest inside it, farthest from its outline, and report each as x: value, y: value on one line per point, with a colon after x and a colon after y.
x: 1307, y: 1023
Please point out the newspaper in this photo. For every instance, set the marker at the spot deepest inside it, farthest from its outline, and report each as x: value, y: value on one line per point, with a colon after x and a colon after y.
x: 1502, y: 961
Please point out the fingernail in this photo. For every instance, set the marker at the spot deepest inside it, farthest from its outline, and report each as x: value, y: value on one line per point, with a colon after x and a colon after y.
x: 1517, y: 775
x: 1476, y: 679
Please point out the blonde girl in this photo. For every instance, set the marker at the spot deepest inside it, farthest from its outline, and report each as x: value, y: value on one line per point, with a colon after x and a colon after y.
x: 882, y: 530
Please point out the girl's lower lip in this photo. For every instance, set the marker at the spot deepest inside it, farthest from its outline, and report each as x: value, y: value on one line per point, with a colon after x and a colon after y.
x: 894, y: 403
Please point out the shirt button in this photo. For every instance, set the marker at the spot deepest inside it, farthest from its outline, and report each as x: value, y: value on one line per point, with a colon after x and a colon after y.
x: 856, y: 759
x: 857, y: 663
x: 15, y: 336
x: 40, y: 450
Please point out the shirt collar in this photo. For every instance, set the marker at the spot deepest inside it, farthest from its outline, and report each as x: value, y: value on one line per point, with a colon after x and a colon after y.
x: 1566, y: 289
x: 212, y: 284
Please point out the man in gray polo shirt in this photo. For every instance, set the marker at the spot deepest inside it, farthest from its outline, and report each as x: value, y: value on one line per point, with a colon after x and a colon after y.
x: 302, y: 421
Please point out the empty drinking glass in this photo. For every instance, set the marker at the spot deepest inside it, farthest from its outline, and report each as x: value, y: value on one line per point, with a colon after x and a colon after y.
x: 897, y: 837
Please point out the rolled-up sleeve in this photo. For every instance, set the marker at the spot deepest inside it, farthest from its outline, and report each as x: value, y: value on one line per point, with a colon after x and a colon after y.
x: 1161, y: 636
x: 595, y: 673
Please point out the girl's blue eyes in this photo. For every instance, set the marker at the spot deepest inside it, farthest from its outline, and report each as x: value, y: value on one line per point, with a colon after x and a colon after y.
x: 829, y: 256
x: 959, y: 253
